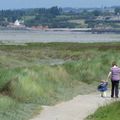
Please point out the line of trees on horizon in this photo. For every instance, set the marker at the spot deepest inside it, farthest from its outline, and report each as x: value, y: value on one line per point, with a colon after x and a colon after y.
x: 53, y: 17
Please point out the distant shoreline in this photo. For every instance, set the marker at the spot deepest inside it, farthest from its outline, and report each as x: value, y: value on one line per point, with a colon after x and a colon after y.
x: 91, y: 30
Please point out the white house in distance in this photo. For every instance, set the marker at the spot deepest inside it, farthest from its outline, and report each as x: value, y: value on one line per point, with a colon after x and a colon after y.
x: 17, y: 23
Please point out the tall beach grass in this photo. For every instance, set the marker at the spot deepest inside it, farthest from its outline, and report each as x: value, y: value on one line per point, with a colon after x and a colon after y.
x: 26, y: 84
x: 108, y: 112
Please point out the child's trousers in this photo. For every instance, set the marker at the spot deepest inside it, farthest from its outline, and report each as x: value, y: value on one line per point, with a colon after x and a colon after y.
x: 103, y: 94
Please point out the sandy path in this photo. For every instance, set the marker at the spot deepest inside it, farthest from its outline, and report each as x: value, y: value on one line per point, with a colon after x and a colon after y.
x: 76, y: 109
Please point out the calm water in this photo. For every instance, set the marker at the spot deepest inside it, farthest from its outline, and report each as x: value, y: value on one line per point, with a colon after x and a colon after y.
x: 23, y: 36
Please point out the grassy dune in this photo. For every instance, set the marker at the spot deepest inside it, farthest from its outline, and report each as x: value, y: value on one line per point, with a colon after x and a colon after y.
x: 26, y: 83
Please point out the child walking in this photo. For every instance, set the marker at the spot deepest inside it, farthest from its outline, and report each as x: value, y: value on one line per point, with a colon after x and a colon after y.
x: 102, y: 87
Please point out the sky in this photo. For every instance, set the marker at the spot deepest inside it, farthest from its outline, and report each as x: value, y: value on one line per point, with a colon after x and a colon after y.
x: 18, y: 4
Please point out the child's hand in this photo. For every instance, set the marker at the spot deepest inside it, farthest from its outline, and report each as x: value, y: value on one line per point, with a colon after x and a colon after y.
x: 106, y: 80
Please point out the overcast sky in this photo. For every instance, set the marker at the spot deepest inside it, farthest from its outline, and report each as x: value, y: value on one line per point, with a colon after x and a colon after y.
x: 16, y: 4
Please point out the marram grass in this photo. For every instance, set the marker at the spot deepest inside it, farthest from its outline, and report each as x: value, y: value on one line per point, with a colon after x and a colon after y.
x: 108, y: 112
x: 25, y: 84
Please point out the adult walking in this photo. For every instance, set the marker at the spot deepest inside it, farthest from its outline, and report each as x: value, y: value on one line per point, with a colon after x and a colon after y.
x: 114, y: 75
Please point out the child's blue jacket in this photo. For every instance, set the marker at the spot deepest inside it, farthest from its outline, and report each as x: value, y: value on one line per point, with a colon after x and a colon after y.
x: 102, y: 87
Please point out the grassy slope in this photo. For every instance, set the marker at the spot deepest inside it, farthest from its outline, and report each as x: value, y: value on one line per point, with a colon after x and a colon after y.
x: 25, y: 83
x: 108, y: 112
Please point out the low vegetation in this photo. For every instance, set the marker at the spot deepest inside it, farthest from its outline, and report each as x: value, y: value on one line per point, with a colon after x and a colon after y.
x: 108, y: 112
x: 26, y: 83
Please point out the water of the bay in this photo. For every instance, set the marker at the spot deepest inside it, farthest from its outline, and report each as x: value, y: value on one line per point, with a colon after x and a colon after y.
x: 26, y: 36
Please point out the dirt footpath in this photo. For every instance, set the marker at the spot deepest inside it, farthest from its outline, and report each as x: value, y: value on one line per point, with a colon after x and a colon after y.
x: 76, y: 109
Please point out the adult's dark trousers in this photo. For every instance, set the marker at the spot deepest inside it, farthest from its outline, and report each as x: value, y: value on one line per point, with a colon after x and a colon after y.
x: 115, y: 88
